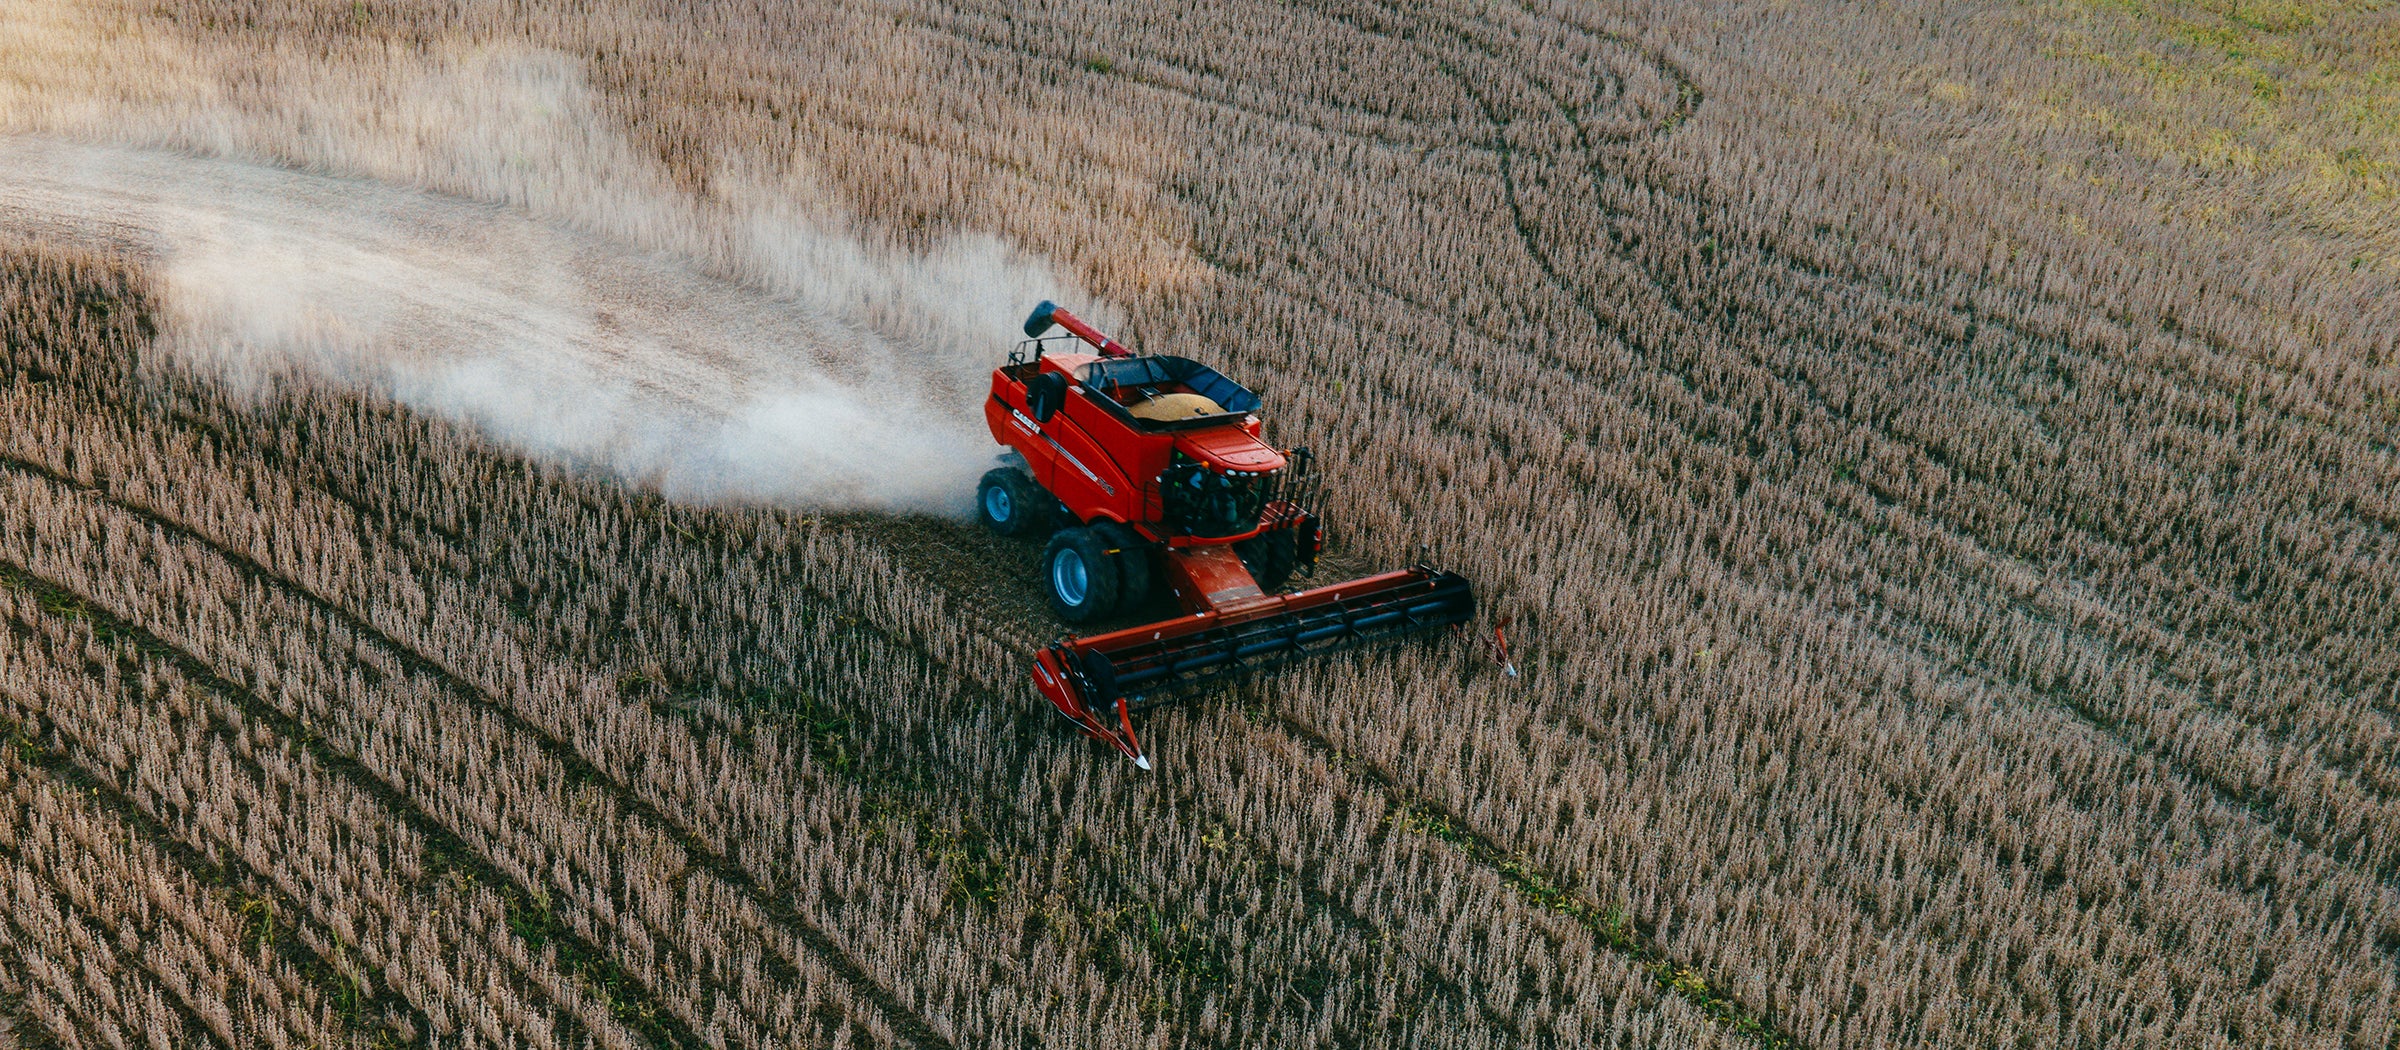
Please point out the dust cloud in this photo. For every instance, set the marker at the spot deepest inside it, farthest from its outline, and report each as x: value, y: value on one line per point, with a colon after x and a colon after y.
x: 556, y: 292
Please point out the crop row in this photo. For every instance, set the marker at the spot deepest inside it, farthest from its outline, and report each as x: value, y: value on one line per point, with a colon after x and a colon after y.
x: 724, y: 783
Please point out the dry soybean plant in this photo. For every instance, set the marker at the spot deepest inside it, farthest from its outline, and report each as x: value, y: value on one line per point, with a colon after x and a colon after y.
x: 1950, y: 539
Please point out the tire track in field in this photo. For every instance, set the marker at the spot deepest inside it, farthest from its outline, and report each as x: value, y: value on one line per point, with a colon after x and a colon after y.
x: 17, y: 1020
x: 2207, y: 359
x: 35, y: 749
x: 1539, y: 888
x: 1534, y: 245
x: 2266, y: 803
x: 1176, y: 79
x: 1790, y: 266
x: 34, y: 753
x: 2269, y: 804
x: 974, y: 686
x: 649, y: 1018
x: 1589, y: 144
x: 2170, y: 559
x: 976, y: 682
x: 1973, y: 316
x: 2260, y: 804
x: 1395, y: 130
x: 2179, y: 571
x: 2343, y: 848
x: 1610, y: 928
x: 2278, y: 734
x: 1688, y: 96
x: 126, y: 957
x: 743, y: 743
x: 2112, y: 644
x: 912, y: 1027
x: 663, y: 1026
x: 2236, y: 796
x: 2236, y: 799
x: 1183, y: 803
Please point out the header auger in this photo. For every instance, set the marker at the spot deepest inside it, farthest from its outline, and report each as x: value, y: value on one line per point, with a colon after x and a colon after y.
x: 1153, y: 473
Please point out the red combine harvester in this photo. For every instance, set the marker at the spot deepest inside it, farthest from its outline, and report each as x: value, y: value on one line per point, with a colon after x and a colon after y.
x: 1153, y: 473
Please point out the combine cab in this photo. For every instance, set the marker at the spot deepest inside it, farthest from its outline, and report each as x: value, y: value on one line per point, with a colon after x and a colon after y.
x: 1153, y: 473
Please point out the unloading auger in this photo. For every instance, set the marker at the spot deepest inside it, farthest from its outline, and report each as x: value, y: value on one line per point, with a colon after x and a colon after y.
x: 1153, y: 472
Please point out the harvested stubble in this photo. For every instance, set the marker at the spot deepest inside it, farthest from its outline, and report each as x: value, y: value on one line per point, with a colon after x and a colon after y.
x: 825, y: 839
x: 1957, y: 582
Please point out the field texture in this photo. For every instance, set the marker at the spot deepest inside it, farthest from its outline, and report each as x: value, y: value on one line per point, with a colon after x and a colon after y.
x: 1937, y: 463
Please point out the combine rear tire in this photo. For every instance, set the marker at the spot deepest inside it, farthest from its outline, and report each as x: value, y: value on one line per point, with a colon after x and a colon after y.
x: 1081, y: 575
x: 1133, y: 563
x: 1010, y: 504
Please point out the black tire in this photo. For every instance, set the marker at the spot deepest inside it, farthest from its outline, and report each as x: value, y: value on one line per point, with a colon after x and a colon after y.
x: 1079, y: 575
x: 1132, y: 556
x: 1270, y: 557
x: 1010, y: 504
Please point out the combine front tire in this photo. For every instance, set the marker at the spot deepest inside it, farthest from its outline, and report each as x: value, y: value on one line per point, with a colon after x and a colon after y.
x: 1270, y: 557
x: 1132, y: 556
x: 1081, y: 574
x: 1009, y: 503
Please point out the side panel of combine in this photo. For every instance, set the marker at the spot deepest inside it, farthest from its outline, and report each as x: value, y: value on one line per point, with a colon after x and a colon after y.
x: 1086, y: 478
x: 1012, y: 426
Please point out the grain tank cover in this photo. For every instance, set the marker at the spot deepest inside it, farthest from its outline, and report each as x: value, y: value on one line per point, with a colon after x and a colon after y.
x: 1163, y: 370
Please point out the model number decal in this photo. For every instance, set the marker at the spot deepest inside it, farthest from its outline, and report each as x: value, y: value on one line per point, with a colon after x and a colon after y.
x: 1031, y: 427
x: 1086, y: 471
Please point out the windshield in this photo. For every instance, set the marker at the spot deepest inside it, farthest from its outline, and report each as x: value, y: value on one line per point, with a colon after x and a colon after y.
x: 1202, y: 502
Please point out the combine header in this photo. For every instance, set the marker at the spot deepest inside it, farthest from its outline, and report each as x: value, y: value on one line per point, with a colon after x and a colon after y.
x: 1152, y: 471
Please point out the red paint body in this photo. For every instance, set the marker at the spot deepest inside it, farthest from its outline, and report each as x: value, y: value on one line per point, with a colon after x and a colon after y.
x: 1102, y: 467
x: 1103, y: 464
